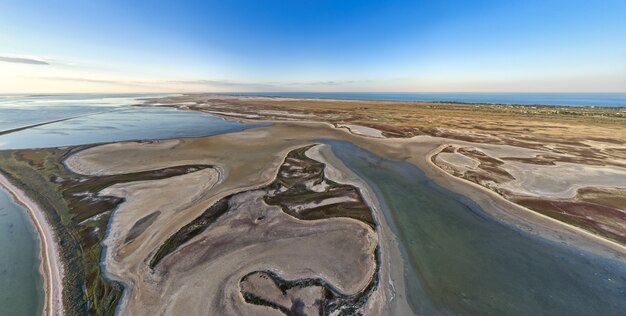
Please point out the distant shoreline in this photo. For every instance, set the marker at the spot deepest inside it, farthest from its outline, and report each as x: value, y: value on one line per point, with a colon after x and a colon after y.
x: 549, y: 99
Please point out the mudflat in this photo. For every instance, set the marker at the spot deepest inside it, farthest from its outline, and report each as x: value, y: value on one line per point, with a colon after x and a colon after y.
x: 555, y: 160
x: 269, y: 221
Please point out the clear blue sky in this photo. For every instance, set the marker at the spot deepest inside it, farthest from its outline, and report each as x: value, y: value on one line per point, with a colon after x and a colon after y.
x: 301, y: 45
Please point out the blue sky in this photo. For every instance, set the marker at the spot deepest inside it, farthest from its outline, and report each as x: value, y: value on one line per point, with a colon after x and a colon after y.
x: 301, y: 45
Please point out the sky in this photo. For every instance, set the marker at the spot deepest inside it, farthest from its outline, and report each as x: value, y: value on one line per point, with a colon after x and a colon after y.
x: 303, y: 45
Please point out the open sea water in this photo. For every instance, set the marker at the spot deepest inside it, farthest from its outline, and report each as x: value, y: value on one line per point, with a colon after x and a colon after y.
x: 617, y: 99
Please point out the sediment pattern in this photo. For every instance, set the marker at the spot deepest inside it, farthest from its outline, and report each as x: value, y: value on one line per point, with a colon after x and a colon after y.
x: 302, y: 191
x: 591, y: 197
x: 79, y: 215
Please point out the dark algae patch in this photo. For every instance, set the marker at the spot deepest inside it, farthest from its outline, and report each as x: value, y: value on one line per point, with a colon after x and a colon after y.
x: 293, y: 189
x: 141, y: 225
x: 195, y: 227
x: 597, y: 218
x: 79, y: 217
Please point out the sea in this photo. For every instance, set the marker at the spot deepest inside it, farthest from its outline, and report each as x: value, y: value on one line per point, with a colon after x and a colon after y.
x: 611, y: 99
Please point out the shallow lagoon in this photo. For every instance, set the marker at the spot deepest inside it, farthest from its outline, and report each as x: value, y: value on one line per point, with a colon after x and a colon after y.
x: 24, y: 110
x: 123, y: 123
x: 21, y: 288
x: 462, y: 261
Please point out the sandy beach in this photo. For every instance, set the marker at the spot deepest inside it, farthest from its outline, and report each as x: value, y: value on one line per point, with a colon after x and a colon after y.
x: 51, y: 267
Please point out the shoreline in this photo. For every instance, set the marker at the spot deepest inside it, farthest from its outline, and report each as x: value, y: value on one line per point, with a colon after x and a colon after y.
x: 551, y: 222
x: 547, y: 226
x: 50, y: 268
x: 451, y: 101
x: 392, y: 257
x: 514, y: 214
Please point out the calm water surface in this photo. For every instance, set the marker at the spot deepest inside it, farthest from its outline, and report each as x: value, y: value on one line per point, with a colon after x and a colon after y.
x: 24, y: 110
x: 121, y: 123
x: 462, y: 261
x: 21, y: 288
x: 582, y: 99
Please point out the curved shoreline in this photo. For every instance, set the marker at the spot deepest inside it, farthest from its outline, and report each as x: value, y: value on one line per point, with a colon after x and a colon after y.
x: 392, y: 261
x: 530, y: 217
x: 128, y: 284
x: 615, y: 246
x: 51, y: 268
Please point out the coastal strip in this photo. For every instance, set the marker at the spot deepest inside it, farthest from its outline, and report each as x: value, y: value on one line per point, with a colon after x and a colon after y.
x: 50, y: 268
x: 537, y: 217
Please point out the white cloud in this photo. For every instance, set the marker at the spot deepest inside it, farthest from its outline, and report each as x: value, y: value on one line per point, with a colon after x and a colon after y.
x: 23, y: 60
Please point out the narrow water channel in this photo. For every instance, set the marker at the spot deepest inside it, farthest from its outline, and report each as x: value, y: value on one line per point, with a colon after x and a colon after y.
x: 462, y: 261
x: 21, y: 285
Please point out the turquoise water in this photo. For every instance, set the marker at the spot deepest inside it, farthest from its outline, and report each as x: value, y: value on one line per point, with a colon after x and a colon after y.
x: 21, y: 288
x: 463, y: 262
x: 583, y: 99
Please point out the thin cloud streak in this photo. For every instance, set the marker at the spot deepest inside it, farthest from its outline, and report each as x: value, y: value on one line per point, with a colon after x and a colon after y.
x: 259, y: 85
x: 22, y: 60
x: 211, y: 85
x: 104, y: 81
x: 83, y: 80
x: 222, y: 83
